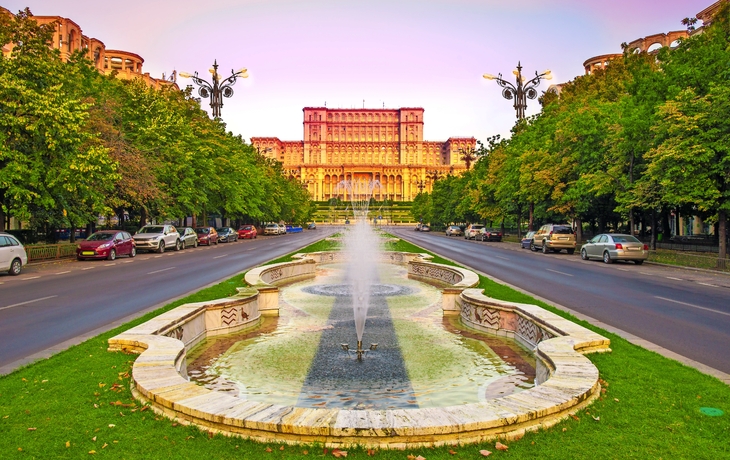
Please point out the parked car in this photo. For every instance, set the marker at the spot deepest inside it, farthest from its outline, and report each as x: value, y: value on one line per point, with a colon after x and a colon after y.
x: 527, y: 240
x: 12, y: 254
x: 207, y: 235
x: 188, y: 238
x: 227, y: 235
x: 454, y: 230
x: 271, y: 229
x: 157, y: 238
x: 615, y: 246
x: 293, y: 228
x: 312, y: 226
x: 247, y: 232
x: 106, y: 244
x: 489, y: 235
x: 554, y: 237
x: 472, y: 231
x: 425, y: 228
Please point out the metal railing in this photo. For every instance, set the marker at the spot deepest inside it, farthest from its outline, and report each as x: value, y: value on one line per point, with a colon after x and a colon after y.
x: 50, y: 252
x: 686, y: 259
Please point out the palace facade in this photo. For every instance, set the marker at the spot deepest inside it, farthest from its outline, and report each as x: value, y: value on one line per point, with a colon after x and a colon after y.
x: 69, y: 38
x: 361, y: 146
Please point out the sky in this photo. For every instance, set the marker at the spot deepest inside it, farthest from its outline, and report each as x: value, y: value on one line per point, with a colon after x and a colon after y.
x: 372, y: 54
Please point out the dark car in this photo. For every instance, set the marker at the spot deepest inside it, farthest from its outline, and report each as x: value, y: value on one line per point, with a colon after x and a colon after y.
x: 188, y: 238
x: 312, y: 226
x: 106, y: 244
x: 247, y: 231
x: 207, y: 235
x: 425, y: 228
x: 227, y: 235
x: 527, y: 239
x: 489, y: 235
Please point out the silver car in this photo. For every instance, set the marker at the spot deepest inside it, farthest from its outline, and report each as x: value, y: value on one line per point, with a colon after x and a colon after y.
x: 157, y: 238
x: 188, y: 238
x: 615, y: 246
x: 12, y: 254
x: 454, y: 230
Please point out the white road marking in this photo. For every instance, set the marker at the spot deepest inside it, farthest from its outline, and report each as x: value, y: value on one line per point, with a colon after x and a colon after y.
x: 28, y: 302
x: 128, y: 261
x: 675, y: 279
x: 157, y: 257
x: 708, y: 284
x: 645, y: 273
x: 110, y: 265
x: 622, y: 269
x: 62, y: 273
x: 30, y: 278
x: 500, y: 257
x: 561, y: 273
x: 694, y: 306
x: 160, y: 271
x: 218, y: 257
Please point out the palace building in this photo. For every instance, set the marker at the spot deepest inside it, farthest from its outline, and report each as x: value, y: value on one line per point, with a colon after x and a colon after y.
x: 363, y: 146
x: 69, y: 38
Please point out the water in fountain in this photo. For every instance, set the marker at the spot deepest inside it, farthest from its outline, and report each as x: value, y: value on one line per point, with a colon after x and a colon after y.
x: 361, y: 246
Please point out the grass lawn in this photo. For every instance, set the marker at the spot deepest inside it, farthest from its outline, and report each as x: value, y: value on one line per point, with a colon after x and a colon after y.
x: 77, y: 404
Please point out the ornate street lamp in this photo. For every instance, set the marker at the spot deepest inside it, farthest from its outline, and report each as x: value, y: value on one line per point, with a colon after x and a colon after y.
x: 523, y: 91
x: 421, y: 184
x: 217, y: 90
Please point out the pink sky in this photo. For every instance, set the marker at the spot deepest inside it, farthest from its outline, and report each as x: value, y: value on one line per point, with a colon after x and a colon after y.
x: 392, y: 53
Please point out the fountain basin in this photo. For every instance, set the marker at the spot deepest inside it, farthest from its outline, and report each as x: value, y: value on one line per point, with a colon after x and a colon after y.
x: 568, y: 380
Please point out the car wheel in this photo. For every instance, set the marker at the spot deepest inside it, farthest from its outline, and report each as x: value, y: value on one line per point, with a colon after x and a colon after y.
x: 570, y: 251
x: 133, y: 253
x: 638, y: 262
x: 216, y: 243
x: 177, y: 245
x: 532, y: 246
x: 195, y: 245
x: 15, y: 267
x: 583, y: 254
x: 161, y: 248
x: 607, y: 258
x: 112, y: 255
x: 183, y: 245
x: 545, y: 249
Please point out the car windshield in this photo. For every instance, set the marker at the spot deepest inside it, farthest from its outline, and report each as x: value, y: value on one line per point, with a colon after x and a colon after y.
x: 625, y: 239
x: 246, y: 227
x: 563, y: 230
x: 100, y: 237
x: 156, y: 229
x: 202, y: 230
x: 477, y: 227
x: 272, y: 226
x: 222, y: 230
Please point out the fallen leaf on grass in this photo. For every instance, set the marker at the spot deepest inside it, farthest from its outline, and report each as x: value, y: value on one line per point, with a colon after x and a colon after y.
x: 92, y: 452
x: 596, y: 418
x: 32, y: 429
x: 615, y: 399
x: 485, y: 453
x: 94, y: 439
x: 68, y: 444
x: 305, y: 452
x: 111, y: 425
x: 144, y: 408
x: 102, y: 385
x: 339, y: 453
x: 564, y: 430
x: 281, y: 448
x: 371, y: 452
x: 500, y: 446
x: 104, y: 446
x: 574, y: 417
x: 268, y: 449
x: 192, y: 437
x: 452, y: 452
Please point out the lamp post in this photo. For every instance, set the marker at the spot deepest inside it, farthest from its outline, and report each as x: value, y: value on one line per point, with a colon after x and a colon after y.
x: 217, y: 90
x: 523, y: 91
x: 421, y: 184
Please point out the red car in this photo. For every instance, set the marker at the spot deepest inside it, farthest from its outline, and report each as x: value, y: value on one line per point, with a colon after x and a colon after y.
x: 247, y: 231
x: 106, y: 244
x: 207, y: 235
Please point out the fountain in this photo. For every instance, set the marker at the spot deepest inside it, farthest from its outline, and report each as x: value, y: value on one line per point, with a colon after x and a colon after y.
x: 290, y: 329
x: 361, y: 248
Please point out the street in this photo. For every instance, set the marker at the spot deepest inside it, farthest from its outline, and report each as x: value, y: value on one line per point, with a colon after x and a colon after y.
x: 684, y: 311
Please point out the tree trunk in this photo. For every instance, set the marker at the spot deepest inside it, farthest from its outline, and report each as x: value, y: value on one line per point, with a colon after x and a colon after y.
x: 653, y: 230
x: 143, y: 217
x: 578, y: 230
x: 722, y: 234
x: 532, y: 217
x: 519, y: 222
x: 2, y: 218
x: 665, y: 225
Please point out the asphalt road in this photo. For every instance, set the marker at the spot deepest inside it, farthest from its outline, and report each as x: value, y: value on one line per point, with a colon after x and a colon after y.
x: 50, y: 304
x: 684, y: 311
